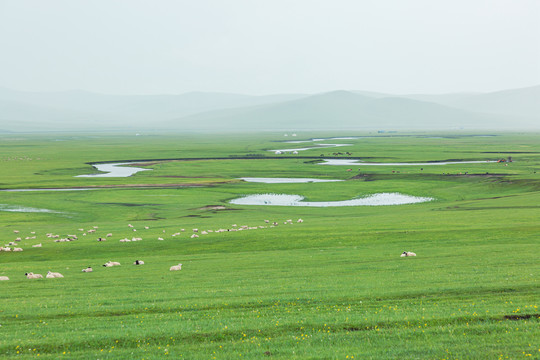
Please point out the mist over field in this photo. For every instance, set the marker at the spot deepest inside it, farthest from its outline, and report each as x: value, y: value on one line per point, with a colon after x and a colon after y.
x: 357, y: 110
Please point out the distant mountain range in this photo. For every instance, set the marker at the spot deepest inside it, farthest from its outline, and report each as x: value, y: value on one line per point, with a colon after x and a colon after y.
x: 361, y: 110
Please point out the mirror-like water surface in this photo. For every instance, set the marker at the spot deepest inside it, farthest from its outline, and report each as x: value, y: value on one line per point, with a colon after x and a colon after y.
x: 380, y: 199
x: 114, y: 170
x: 16, y: 208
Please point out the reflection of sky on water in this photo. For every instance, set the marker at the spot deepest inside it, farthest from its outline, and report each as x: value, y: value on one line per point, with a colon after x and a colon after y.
x: 380, y: 199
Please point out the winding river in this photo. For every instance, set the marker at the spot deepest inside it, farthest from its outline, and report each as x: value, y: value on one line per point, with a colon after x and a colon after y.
x: 381, y: 199
x: 319, y: 146
x: 358, y: 162
x: 119, y: 170
x: 285, y: 180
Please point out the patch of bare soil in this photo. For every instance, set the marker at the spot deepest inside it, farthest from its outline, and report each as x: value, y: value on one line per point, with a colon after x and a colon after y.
x: 521, y: 317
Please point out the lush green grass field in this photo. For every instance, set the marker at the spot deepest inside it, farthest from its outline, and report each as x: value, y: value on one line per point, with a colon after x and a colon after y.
x: 332, y: 287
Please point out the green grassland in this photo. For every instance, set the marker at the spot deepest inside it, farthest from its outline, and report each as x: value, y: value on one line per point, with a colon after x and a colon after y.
x: 332, y: 287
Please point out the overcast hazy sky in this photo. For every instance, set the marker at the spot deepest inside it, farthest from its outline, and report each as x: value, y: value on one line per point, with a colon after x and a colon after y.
x: 270, y: 46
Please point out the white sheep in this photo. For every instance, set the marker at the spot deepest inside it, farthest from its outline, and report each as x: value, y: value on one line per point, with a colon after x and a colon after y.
x: 299, y: 221
x: 138, y: 262
x: 176, y: 267
x: 194, y: 236
x: 37, y: 245
x: 31, y: 275
x: 17, y: 249
x: 88, y: 269
x: 111, y: 263
x: 407, y: 253
x: 53, y: 275
x: 4, y: 278
x: 108, y: 235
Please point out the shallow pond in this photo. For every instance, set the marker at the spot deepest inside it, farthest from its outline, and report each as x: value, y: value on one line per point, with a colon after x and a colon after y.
x: 285, y: 180
x: 59, y: 189
x: 15, y: 208
x: 380, y: 199
x: 115, y: 170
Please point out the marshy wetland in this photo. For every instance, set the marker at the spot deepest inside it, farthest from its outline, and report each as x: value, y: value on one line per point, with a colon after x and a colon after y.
x: 256, y: 282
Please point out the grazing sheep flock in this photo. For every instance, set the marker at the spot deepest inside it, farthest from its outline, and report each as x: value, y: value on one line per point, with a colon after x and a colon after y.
x: 73, y: 237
